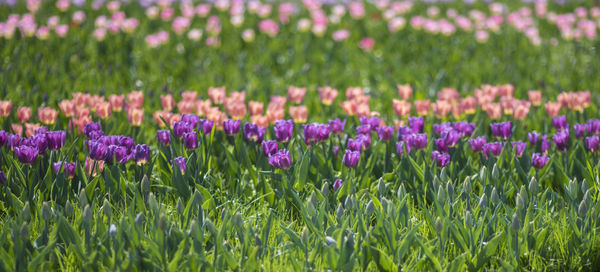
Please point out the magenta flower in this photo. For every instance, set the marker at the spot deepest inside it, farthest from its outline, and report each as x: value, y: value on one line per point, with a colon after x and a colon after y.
x: 26, y: 154
x: 493, y: 149
x: 3, y: 137
x: 190, y: 140
x: 206, y: 126
x: 337, y: 126
x: 501, y: 130
x: 163, y: 137
x: 560, y: 123
x: 477, y: 143
x: 539, y: 161
x: 416, y: 124
x: 3, y: 178
x: 91, y: 127
x: 231, y: 127
x: 337, y: 184
x: 416, y: 141
x: 441, y: 159
x: 592, y: 143
x: 400, y: 148
x: 363, y: 129
x: 533, y: 137
x: 69, y: 168
x: 351, y: 158
x: 281, y: 159
x: 466, y: 129
x: 254, y: 133
x: 561, y: 140
x: 56, y: 139
x: 284, y: 130
x: 519, y: 147
x: 180, y: 128
x: 385, y: 133
x: 141, y: 154
x: 269, y: 148
x: 180, y: 162
x: 580, y: 130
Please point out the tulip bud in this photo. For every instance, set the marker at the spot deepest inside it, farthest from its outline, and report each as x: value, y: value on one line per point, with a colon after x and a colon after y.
x: 83, y: 200
x: 441, y: 195
x: 520, y: 202
x: 313, y: 199
x: 106, y: 208
x: 112, y: 231
x: 348, y: 202
x: 145, y: 185
x: 533, y: 186
x: 339, y: 211
x: 523, y: 193
x: 370, y: 207
x: 583, y: 208
x: 468, y: 219
x: 495, y: 172
x: 438, y: 225
x: 162, y: 222
x: 68, y: 209
x: 381, y: 187
x: 443, y: 174
x: 26, y: 212
x: 305, y: 235
x: 325, y: 189
x: 401, y: 192
x: 483, y: 201
x: 495, y: 197
x: 436, y: 183
x: 384, y: 204
x: 46, y: 213
x: 482, y: 173
x: 152, y: 203
x: 584, y: 186
x: 87, y: 215
x: 139, y: 219
x: 198, y: 198
x: 516, y: 224
x: 467, y: 185
x: 450, y: 190
x: 179, y: 206
x: 573, y: 188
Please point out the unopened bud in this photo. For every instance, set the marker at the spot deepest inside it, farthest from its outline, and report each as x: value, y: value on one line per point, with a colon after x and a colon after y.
x: 83, y: 200
x: 401, y: 191
x: 145, y: 185
x: 370, y: 207
x: 106, y: 208
x: 112, y: 231
x: 467, y: 185
x: 468, y: 219
x: 533, y: 186
x: 339, y: 212
x: 443, y: 174
x: 68, y: 209
x: 523, y: 193
x: 441, y: 195
x: 139, y: 219
x: 436, y: 183
x: 313, y: 199
x: 46, y: 213
x: 438, y: 225
x: 87, y: 215
x: 482, y: 173
x: 495, y: 172
x: 325, y: 189
x: 483, y: 201
x: 152, y: 203
x: 381, y: 187
x: 516, y: 224
x: 348, y: 202
x: 162, y: 222
x: 24, y: 231
x: 450, y: 190
x: 26, y: 212
x: 495, y: 197
x: 520, y: 202
x: 584, y: 186
x: 179, y: 206
x: 583, y: 208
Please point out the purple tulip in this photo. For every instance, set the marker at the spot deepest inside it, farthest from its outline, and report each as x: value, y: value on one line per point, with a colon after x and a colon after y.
x: 141, y: 154
x: 38, y: 141
x: 351, y: 158
x: 91, y: 127
x: 269, y: 148
x: 14, y: 140
x: 400, y: 148
x: 323, y: 132
x: 26, y: 154
x: 3, y: 137
x: 580, y: 130
x: 533, y: 137
x: 163, y: 137
x: 337, y: 126
x: 385, y: 133
x: 206, y: 126
x: 594, y: 126
x: 96, y: 149
x: 363, y: 129
x: 337, y: 184
x: 281, y: 159
x: 180, y: 128
x: 190, y: 140
x: 560, y: 123
x: 465, y: 129
x: 403, y: 131
x: 192, y: 119
x: 365, y: 140
x: 416, y: 141
x: 355, y: 145
x: 231, y: 127
x: 539, y: 161
x: 3, y: 178
x: 254, y: 133
x: 439, y: 128
x: 373, y: 122
x: 336, y: 149
x: 561, y: 140
x: 451, y: 137
x: 592, y: 143
x: 116, y: 153
x: 56, y: 139
x: 493, y: 149
x: 546, y: 144
x: 501, y: 130
x: 416, y: 124
x: 180, y: 162
x: 69, y: 168
x: 441, y: 146
x: 441, y: 159
x: 519, y: 147
x: 284, y: 130
x: 477, y: 143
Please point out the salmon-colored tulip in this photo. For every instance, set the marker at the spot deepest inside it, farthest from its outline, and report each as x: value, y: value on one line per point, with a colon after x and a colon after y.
x: 31, y: 128
x: 363, y: 110
x: 47, y: 115
x: 135, y: 116
x: 507, y: 102
x: 277, y: 102
x: 422, y: 107
x: 256, y: 108
x: 296, y: 95
x: 93, y: 167
x: 259, y: 120
x: 405, y: 91
x: 78, y: 124
x: 349, y: 106
x: 186, y: 106
x: 468, y: 105
x: 441, y: 108
x: 494, y: 110
x: 5, y: 107
x: 448, y: 94
x: 175, y: 117
x: 218, y: 117
x: 202, y: 106
x: 189, y: 95
x: 217, y: 94
x: 299, y: 113
x: 235, y: 108
x: 67, y: 107
x: 103, y: 110
x: 520, y: 110
x: 535, y: 97
x: 24, y: 114
x: 353, y: 92
x: 116, y: 102
x: 94, y: 100
x: 167, y: 102
x: 81, y: 112
x: 17, y: 129
x: 275, y: 115
x: 553, y: 108
x: 135, y: 99
x: 238, y: 96
x: 402, y: 108
x: 166, y: 115
x: 80, y: 99
x: 506, y: 90
x: 327, y: 95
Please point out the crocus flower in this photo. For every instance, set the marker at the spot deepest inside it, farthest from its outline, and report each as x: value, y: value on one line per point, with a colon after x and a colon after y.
x: 441, y: 159
x: 351, y: 158
x: 385, y: 133
x: 592, y: 143
x: 580, y: 130
x: 141, y: 154
x: 560, y: 123
x: 163, y: 137
x: 416, y: 124
x: 180, y: 162
x: 56, y: 139
x: 3, y: 137
x: 337, y: 184
x: 190, y: 139
x: 477, y: 143
x: 416, y: 141
x: 231, y: 127
x: 519, y: 147
x: 3, y: 178
x: 561, y: 140
x: 254, y: 133
x: 501, y: 130
x: 180, y: 128
x: 284, y: 130
x: 69, y: 168
x: 26, y: 154
x: 281, y: 159
x: 539, y: 161
x: 269, y: 148
x: 493, y: 149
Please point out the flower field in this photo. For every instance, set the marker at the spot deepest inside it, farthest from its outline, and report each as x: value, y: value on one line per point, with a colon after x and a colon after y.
x: 235, y: 135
